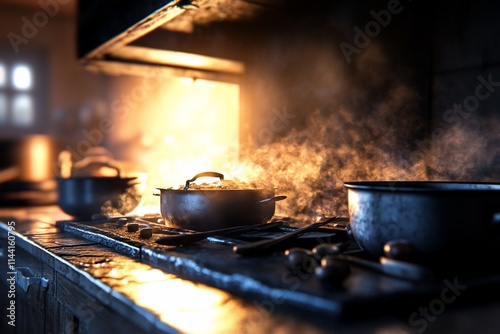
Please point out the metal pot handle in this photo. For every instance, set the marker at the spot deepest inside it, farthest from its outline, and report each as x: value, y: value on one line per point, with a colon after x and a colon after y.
x: 203, y: 174
x: 272, y: 199
x: 87, y: 161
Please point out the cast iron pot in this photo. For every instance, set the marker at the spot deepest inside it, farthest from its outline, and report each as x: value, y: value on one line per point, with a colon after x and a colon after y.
x: 441, y: 220
x: 83, y: 196
x: 208, y: 209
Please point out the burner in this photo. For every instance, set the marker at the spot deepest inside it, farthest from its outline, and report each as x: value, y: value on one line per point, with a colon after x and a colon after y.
x: 397, y: 284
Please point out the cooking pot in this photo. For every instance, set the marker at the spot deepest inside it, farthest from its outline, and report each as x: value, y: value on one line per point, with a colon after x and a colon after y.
x: 443, y: 221
x: 82, y: 196
x: 214, y: 208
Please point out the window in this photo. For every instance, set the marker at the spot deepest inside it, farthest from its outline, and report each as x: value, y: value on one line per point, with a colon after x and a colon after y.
x: 23, y: 92
x: 3, y: 95
x: 17, y: 98
x: 3, y: 75
x: 21, y: 77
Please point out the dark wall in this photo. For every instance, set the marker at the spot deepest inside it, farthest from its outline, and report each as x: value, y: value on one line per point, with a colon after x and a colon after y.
x: 320, y: 116
x: 465, y: 90
x: 340, y: 56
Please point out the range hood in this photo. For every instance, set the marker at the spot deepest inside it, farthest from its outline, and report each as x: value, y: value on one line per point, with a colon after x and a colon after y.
x: 173, y: 37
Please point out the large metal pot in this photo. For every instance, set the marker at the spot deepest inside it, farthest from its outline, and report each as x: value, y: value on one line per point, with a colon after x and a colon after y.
x: 207, y: 209
x: 441, y: 220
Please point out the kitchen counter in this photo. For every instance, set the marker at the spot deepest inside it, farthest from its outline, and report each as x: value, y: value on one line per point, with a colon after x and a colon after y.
x: 81, y: 286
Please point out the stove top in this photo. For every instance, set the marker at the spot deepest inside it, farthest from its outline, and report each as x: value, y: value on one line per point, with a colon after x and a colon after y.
x: 271, y: 283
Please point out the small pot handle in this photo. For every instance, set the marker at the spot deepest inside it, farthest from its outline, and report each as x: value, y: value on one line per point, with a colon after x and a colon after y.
x: 203, y: 174
x: 88, y: 161
x: 272, y: 199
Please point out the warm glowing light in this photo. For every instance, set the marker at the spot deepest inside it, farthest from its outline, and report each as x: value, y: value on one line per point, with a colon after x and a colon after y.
x: 177, y: 302
x: 144, y: 276
x: 21, y: 77
x: 188, y: 81
x: 39, y: 151
x: 168, y: 140
x: 183, y: 131
x: 147, y: 209
x: 147, y: 140
x: 179, y: 59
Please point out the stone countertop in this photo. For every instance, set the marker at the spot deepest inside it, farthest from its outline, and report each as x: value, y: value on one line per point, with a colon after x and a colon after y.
x: 158, y: 301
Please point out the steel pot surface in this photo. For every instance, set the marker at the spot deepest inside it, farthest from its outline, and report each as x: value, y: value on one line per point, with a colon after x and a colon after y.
x: 441, y: 220
x: 208, y: 209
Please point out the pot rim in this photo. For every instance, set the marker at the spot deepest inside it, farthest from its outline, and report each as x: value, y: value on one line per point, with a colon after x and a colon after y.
x: 190, y: 190
x: 424, y: 186
x: 97, y: 178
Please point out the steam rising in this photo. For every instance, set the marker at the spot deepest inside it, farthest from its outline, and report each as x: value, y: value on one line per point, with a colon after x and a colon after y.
x: 310, y: 165
x: 469, y: 152
x: 373, y: 131
x: 360, y: 131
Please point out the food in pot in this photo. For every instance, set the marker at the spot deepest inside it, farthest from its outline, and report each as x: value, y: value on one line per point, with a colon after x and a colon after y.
x: 222, y: 185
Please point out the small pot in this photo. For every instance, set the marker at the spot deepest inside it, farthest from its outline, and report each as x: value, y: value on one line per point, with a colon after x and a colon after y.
x: 84, y: 196
x: 208, y: 209
x: 84, y: 191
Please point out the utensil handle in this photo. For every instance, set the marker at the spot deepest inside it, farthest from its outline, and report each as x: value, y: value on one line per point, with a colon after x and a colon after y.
x: 263, y: 247
x: 182, y: 239
x: 395, y: 268
x: 203, y: 174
